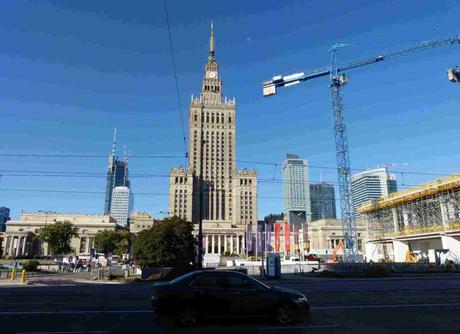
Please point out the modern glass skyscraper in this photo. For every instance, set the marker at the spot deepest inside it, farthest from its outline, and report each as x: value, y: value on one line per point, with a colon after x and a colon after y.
x: 371, y: 185
x: 117, y: 175
x: 322, y: 200
x: 121, y: 205
x: 295, y: 189
x: 4, y: 217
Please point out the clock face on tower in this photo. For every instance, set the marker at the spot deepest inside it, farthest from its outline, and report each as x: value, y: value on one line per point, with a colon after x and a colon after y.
x: 212, y: 74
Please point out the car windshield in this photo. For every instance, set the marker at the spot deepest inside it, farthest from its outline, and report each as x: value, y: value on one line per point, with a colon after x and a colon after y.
x: 183, y: 278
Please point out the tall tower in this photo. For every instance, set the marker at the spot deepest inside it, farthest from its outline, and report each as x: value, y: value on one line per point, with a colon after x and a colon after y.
x: 371, y: 185
x: 296, y: 190
x: 212, y: 142
x: 121, y: 205
x: 228, y: 197
x: 322, y: 201
x: 117, y: 174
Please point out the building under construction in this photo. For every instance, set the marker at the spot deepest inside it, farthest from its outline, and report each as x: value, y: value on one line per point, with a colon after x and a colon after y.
x: 421, y: 223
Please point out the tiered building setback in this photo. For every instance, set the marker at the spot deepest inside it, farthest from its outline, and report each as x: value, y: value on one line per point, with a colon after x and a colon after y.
x: 228, y: 197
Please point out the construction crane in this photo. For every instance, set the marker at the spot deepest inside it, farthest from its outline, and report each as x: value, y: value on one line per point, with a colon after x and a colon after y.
x: 337, y: 80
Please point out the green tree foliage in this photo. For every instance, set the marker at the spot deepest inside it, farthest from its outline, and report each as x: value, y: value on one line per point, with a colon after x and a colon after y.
x: 112, y: 242
x: 169, y: 243
x: 31, y: 265
x: 58, y: 236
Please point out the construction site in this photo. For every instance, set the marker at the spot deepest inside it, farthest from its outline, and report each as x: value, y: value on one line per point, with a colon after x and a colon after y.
x: 418, y: 224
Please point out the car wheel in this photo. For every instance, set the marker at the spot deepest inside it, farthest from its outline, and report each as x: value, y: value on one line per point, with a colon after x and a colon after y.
x: 285, y: 313
x: 186, y: 316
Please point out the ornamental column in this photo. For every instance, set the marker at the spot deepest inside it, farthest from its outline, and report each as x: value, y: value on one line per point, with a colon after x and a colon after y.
x: 24, y: 246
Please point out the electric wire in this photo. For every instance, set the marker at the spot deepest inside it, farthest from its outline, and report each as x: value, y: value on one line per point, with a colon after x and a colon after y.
x: 173, y: 60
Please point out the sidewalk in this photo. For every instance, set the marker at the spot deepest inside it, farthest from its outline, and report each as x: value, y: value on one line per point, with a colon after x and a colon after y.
x: 55, y: 279
x: 397, y: 276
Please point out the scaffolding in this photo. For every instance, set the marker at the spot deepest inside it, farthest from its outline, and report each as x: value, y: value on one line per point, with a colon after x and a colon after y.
x: 430, y: 207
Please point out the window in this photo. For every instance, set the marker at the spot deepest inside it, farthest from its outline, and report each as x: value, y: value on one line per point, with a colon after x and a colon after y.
x: 207, y: 281
x: 238, y: 282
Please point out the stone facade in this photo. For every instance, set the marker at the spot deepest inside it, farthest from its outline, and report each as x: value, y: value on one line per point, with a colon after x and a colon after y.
x: 228, y: 197
x: 325, y: 234
x: 140, y: 221
x: 19, y: 237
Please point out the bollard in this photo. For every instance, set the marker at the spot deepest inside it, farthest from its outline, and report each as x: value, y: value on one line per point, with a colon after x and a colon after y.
x: 13, y: 274
x: 23, y: 276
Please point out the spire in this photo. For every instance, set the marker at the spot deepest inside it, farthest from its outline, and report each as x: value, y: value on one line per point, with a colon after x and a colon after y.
x: 211, y: 42
x: 125, y: 154
x: 114, y: 141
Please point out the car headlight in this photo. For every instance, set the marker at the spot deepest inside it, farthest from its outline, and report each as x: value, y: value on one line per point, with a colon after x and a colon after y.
x: 301, y: 300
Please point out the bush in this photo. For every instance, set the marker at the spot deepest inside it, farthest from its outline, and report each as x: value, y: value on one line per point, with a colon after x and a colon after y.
x: 31, y: 265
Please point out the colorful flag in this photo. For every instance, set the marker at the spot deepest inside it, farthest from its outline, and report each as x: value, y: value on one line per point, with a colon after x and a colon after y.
x: 268, y: 237
x: 249, y: 237
x: 277, y: 236
x: 259, y: 238
x: 287, y: 238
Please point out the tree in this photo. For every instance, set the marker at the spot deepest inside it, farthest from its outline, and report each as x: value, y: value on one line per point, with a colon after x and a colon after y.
x: 58, y: 237
x: 112, y: 242
x: 169, y: 243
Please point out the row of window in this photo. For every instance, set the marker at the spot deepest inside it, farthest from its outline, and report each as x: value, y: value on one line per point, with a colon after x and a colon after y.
x: 211, y: 88
x: 214, y: 118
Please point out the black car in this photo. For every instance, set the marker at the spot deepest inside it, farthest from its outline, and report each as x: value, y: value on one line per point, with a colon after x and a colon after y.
x: 217, y: 294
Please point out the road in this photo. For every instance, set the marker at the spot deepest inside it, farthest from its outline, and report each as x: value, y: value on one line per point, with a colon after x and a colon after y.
x: 391, y: 305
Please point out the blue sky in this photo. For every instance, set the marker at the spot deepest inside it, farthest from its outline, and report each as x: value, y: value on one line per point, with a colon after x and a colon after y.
x: 72, y: 71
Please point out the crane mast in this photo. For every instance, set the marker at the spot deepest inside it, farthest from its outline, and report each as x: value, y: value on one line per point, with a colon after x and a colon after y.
x: 337, y: 80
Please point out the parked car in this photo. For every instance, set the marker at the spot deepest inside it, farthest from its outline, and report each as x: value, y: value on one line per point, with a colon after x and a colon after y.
x: 216, y: 294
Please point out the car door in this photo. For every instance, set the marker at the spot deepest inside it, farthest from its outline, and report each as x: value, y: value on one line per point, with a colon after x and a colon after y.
x: 246, y: 297
x: 209, y: 295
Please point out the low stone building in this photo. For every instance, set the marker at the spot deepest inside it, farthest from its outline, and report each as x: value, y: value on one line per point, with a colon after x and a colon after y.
x: 325, y: 234
x: 140, y: 221
x: 20, y: 237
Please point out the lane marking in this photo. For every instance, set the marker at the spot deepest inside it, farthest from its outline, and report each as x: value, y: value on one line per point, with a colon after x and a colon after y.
x: 384, y: 306
x: 74, y: 312
x: 79, y: 332
x: 300, y: 327
x: 150, y: 311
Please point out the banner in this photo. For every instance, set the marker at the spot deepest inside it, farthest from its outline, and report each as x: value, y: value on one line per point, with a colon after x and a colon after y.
x: 249, y: 237
x: 259, y: 238
x: 305, y: 235
x: 277, y: 237
x: 295, y: 232
x: 268, y: 238
x: 287, y: 237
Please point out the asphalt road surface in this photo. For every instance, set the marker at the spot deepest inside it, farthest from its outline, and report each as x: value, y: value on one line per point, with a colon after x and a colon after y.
x: 392, y: 305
